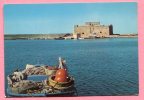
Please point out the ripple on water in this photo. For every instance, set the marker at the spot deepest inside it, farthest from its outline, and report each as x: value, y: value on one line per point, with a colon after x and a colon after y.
x: 100, y: 67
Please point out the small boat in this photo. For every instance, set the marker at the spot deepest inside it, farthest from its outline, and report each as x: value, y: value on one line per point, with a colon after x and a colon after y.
x: 39, y: 81
x: 80, y: 38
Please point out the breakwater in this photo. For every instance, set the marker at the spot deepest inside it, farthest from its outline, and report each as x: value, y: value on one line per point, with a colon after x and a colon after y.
x: 34, y: 36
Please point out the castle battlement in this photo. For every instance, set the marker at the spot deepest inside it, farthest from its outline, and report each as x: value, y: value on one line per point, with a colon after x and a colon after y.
x: 92, y: 23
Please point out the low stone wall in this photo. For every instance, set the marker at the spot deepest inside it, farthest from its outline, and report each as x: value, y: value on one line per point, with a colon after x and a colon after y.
x: 123, y: 36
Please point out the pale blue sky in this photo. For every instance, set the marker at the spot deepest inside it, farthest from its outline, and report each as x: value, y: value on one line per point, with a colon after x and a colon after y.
x: 60, y: 18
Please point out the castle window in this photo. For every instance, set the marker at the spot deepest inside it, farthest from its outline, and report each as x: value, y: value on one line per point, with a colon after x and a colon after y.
x: 82, y: 33
x: 100, y: 32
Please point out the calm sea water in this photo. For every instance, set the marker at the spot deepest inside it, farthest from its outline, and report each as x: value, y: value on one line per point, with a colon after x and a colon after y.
x: 100, y: 67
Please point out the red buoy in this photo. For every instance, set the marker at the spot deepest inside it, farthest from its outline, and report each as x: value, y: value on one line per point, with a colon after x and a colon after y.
x: 61, y: 75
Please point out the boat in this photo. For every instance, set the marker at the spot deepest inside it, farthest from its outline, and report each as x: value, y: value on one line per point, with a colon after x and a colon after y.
x: 41, y: 81
x: 80, y: 38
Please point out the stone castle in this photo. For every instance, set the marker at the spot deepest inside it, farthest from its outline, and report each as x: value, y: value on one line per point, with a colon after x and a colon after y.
x: 92, y: 30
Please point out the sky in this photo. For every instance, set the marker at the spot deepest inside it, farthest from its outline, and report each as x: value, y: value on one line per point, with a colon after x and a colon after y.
x: 61, y: 18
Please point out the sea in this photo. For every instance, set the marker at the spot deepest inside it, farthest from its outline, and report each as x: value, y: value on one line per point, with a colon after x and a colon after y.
x: 100, y: 67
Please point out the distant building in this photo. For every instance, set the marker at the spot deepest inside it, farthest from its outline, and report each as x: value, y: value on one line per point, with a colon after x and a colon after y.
x: 92, y: 30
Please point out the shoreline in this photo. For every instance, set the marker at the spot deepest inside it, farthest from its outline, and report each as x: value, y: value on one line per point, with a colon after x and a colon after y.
x: 77, y: 39
x: 60, y: 36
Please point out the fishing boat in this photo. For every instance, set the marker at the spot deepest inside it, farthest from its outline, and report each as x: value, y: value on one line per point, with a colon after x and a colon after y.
x: 42, y: 80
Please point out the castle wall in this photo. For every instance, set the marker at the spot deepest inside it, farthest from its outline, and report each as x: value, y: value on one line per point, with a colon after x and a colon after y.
x: 101, y: 31
x: 83, y: 31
